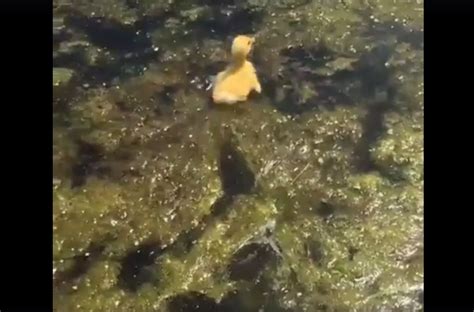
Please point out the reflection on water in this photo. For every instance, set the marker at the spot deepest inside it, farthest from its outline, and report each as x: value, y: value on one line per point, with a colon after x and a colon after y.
x: 162, y: 201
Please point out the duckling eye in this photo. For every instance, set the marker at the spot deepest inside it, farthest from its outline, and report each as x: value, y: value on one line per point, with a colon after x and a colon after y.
x: 249, y: 43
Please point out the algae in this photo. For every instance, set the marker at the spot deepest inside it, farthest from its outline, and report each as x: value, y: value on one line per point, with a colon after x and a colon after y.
x: 63, y: 79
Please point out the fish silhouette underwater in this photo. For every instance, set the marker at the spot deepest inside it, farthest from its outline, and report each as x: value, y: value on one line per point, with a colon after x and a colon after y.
x: 235, y: 83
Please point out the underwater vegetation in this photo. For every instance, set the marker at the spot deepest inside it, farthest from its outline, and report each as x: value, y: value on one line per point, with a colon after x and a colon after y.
x: 306, y: 197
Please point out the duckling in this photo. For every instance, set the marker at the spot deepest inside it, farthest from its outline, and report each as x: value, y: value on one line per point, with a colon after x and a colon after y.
x: 235, y: 83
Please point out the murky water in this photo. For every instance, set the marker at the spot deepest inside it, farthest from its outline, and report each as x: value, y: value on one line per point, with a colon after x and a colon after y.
x: 306, y: 197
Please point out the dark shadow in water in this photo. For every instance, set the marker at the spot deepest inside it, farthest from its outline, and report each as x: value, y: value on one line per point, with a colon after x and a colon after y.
x: 325, y: 210
x: 221, y: 205
x: 165, y: 100
x: 88, y: 162
x: 133, y: 272
x: 372, y: 71
x: 192, y: 302
x: 132, y: 4
x: 379, y: 93
x: 314, y: 251
x: 372, y: 129
x: 186, y: 240
x: 236, y: 176
x: 313, y: 57
x: 249, y: 261
x: 352, y: 251
x: 82, y: 264
x: 233, y: 302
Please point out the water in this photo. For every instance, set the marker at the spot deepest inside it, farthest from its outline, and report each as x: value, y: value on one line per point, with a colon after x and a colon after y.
x: 164, y: 201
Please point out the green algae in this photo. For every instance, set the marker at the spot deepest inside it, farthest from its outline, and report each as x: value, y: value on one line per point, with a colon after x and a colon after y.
x: 63, y: 82
x: 109, y: 9
x: 340, y: 277
x: 400, y: 152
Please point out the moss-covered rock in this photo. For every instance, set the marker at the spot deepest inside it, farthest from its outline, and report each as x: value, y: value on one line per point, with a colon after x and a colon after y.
x: 64, y: 154
x: 63, y: 82
x: 400, y: 151
x: 407, y: 65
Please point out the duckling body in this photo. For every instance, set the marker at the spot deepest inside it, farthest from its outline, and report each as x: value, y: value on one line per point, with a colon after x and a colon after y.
x: 235, y: 83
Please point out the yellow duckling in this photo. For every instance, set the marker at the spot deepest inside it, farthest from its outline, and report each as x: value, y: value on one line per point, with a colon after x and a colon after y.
x: 235, y: 83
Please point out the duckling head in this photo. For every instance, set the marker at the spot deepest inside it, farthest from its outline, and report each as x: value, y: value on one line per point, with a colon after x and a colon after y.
x: 241, y: 47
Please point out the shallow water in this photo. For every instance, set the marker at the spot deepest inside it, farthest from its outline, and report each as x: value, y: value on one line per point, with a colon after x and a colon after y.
x: 308, y: 197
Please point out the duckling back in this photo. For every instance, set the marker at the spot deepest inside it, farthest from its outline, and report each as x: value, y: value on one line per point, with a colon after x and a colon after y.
x: 235, y: 84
